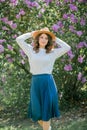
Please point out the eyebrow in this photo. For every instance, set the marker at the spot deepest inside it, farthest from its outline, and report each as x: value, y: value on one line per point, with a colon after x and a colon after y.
x: 45, y: 37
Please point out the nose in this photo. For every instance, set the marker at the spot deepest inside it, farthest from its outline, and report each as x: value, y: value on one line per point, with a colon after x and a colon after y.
x: 44, y: 39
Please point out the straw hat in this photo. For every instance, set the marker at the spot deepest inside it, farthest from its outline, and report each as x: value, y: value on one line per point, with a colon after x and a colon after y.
x: 43, y: 30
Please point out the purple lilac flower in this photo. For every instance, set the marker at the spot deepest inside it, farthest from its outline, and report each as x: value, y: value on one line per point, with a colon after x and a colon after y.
x: 48, y: 1
x: 22, y: 53
x: 4, y: 19
x: 9, y: 22
x: 31, y: 4
x: 2, y: 40
x: 22, y: 12
x: 12, y: 25
x: 14, y: 36
x: 18, y: 16
x: 70, y: 54
x: 35, y: 4
x: 68, y: 67
x: 5, y: 28
x: 2, y: 0
x: 42, y: 10
x: 73, y: 7
x: 58, y: 3
x: 80, y: 45
x: 73, y: 18
x: 14, y: 2
x: 9, y: 59
x: 80, y: 59
x: 60, y: 24
x: 84, y: 79
x: 39, y: 15
x: 82, y: 1
x: 82, y: 22
x: 61, y: 31
x: 66, y: 1
x: 1, y: 48
x: 85, y: 44
x: 72, y: 28
x: 65, y: 16
x: 79, y: 33
x: 55, y: 27
x: 71, y: 1
x: 79, y: 76
x: 10, y: 47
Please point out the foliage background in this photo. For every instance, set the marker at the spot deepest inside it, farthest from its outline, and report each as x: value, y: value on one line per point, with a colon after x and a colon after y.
x: 67, y: 19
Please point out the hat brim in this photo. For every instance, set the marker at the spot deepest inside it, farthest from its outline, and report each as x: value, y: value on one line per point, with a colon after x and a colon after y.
x: 36, y: 33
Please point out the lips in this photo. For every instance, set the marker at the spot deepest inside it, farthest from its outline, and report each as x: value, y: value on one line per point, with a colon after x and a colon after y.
x: 43, y: 43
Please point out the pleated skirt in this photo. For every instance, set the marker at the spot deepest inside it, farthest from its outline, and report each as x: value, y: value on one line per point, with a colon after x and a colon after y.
x: 43, y: 98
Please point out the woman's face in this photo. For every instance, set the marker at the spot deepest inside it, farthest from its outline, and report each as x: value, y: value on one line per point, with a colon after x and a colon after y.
x: 43, y: 40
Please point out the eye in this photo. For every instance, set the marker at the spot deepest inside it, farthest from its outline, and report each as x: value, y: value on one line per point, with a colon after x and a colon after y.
x: 41, y: 37
x: 46, y: 38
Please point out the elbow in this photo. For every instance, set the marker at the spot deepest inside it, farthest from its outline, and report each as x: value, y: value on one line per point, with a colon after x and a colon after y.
x: 17, y: 39
x: 69, y: 48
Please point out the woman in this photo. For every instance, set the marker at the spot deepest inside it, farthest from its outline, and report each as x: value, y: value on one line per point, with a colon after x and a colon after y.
x: 42, y: 55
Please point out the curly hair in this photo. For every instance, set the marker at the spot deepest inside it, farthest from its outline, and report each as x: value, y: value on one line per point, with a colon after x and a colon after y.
x: 48, y: 47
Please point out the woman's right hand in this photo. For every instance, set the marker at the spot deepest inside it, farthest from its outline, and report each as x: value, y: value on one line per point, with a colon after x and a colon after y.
x: 32, y: 33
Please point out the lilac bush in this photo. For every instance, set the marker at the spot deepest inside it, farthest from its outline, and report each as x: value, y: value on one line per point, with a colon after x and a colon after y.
x: 67, y: 19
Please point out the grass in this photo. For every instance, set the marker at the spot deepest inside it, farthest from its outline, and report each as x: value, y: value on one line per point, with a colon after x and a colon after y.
x: 80, y: 124
x: 72, y: 120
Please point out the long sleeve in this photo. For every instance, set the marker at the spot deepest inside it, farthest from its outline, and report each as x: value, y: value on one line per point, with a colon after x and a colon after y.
x: 64, y: 47
x: 21, y: 42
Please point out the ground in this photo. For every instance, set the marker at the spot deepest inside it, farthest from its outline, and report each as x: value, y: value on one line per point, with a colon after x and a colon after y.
x: 74, y: 119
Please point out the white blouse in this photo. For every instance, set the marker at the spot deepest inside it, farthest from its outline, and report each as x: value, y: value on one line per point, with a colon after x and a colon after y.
x: 41, y: 62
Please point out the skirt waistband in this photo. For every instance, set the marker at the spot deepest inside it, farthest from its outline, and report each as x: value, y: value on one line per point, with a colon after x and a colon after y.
x: 36, y: 75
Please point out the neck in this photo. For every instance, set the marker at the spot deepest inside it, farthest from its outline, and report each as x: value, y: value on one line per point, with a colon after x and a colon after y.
x: 42, y: 47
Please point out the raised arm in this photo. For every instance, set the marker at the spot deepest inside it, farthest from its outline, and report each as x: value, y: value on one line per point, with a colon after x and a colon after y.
x: 64, y: 47
x: 21, y: 42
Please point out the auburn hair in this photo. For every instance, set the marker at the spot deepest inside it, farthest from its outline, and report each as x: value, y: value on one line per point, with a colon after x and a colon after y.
x: 48, y: 47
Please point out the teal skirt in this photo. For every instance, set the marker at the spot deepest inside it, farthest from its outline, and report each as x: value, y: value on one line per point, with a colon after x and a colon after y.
x: 43, y: 98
